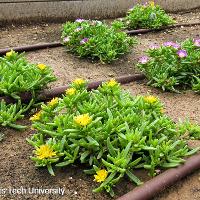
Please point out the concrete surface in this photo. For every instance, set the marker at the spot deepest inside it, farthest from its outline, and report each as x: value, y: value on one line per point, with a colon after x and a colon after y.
x: 59, y: 10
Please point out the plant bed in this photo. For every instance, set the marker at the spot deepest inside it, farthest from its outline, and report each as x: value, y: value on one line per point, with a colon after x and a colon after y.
x: 17, y: 170
x: 81, y: 189
x: 125, y: 133
x: 17, y: 75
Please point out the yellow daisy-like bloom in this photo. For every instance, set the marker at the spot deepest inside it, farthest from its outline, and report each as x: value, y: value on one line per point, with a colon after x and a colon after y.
x: 45, y: 151
x: 10, y: 53
x: 111, y: 83
x: 70, y: 91
x: 152, y: 3
x: 41, y: 66
x: 101, y: 175
x: 53, y: 102
x: 83, y: 120
x: 150, y: 99
x: 79, y: 81
x: 36, y: 117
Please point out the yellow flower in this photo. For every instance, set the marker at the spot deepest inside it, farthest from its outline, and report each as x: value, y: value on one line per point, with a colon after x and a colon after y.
x: 79, y: 81
x: 150, y: 99
x: 53, y: 102
x: 83, y: 120
x: 101, y: 175
x: 112, y: 83
x: 45, y: 151
x: 162, y: 110
x: 152, y: 3
x: 41, y: 66
x: 71, y: 91
x: 10, y: 53
x: 36, y: 117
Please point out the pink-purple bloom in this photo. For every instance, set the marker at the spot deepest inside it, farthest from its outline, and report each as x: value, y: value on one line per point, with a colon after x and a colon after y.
x: 144, y: 59
x: 168, y: 44
x: 83, y: 41
x: 182, y: 53
x: 66, y: 39
x: 172, y: 44
x: 79, y: 20
x: 197, y: 42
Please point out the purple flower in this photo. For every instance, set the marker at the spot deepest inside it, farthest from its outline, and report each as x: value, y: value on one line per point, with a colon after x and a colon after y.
x: 83, y: 41
x: 168, y: 44
x: 78, y: 29
x: 197, y: 42
x: 153, y: 46
x: 172, y: 44
x: 176, y: 46
x: 79, y: 20
x: 182, y: 53
x: 144, y: 59
x: 66, y: 39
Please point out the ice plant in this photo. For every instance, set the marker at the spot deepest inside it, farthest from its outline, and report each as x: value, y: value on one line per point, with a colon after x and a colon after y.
x: 53, y: 102
x: 79, y: 81
x: 83, y: 41
x: 182, y: 53
x: 36, y: 116
x: 87, y: 39
x: 111, y: 83
x: 101, y: 175
x: 71, y: 91
x: 150, y: 99
x: 42, y: 66
x: 147, y: 15
x: 109, y: 133
x: 83, y: 120
x: 45, y: 152
x: 144, y: 59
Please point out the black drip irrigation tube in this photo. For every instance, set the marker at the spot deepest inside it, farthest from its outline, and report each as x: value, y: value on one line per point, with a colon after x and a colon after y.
x: 58, y: 44
x: 168, y: 178
x: 54, y: 92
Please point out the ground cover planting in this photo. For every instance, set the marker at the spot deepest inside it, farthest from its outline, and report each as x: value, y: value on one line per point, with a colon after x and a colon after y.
x: 17, y: 75
x: 95, y: 39
x: 104, y: 142
x: 110, y: 131
x: 173, y: 65
x: 147, y: 15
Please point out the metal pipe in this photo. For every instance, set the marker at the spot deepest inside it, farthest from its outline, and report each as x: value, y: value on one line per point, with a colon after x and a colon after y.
x: 140, y: 31
x: 54, y: 92
x: 168, y: 178
x: 31, y: 47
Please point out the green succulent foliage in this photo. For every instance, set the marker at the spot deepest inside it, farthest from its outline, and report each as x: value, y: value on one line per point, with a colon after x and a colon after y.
x: 165, y: 69
x: 125, y: 132
x: 10, y: 113
x: 96, y: 40
x: 17, y: 75
x: 189, y: 130
x: 147, y: 16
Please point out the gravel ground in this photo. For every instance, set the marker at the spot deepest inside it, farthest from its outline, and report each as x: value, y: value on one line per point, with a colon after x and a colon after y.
x: 16, y: 169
